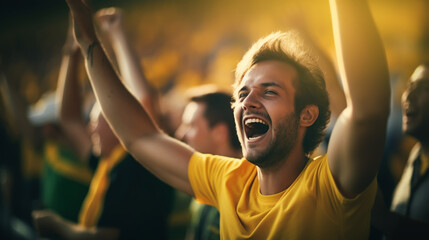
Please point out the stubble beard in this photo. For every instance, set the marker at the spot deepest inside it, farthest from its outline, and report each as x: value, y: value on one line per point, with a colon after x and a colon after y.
x: 280, y: 146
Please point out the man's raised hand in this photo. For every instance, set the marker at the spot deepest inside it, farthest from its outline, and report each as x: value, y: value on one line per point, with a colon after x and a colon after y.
x: 82, y: 24
x: 110, y: 19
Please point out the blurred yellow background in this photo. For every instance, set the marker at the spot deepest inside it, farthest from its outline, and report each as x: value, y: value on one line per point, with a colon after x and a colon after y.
x: 189, y: 42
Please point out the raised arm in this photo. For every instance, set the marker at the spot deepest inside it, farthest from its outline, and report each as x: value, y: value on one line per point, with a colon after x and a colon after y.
x: 165, y: 157
x: 70, y: 101
x: 112, y: 29
x: 356, y: 145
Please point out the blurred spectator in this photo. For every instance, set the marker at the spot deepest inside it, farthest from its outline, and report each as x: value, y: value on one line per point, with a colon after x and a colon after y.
x: 15, y: 197
x: 208, y: 126
x: 43, y: 175
x: 409, y: 215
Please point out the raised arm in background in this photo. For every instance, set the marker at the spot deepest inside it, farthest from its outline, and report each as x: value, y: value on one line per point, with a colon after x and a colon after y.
x: 164, y: 156
x: 70, y: 100
x: 113, y: 36
x: 356, y: 145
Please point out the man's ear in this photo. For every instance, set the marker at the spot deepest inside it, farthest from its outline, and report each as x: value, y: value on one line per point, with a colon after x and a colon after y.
x: 308, y: 115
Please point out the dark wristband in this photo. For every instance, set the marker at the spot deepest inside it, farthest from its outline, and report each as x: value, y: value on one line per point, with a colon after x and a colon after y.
x: 90, y: 49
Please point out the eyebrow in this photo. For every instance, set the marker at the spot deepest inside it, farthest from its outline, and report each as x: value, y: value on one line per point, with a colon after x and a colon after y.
x: 242, y: 89
x: 271, y: 84
x: 265, y: 84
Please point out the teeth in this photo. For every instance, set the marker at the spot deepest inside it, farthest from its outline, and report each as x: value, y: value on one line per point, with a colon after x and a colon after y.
x: 254, y: 120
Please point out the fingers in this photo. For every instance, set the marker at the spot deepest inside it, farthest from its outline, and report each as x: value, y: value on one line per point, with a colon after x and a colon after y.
x: 74, y: 5
x: 70, y: 44
x: 109, y: 19
x: 109, y: 15
x: 112, y: 11
x: 82, y: 23
x: 87, y: 3
x: 42, y: 213
x: 38, y: 219
x: 44, y: 222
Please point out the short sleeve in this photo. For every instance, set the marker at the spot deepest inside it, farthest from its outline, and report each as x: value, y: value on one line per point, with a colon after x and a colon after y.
x: 207, y: 175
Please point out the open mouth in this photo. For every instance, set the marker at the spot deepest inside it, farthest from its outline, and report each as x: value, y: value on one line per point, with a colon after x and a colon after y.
x: 255, y: 127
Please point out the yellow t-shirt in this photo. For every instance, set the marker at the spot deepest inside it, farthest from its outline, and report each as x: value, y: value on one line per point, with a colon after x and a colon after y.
x: 311, y: 208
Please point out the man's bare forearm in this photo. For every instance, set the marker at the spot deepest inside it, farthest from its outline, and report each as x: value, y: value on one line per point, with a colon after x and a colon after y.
x: 68, y: 87
x: 163, y: 156
x: 122, y: 110
x: 70, y: 99
x: 111, y: 25
x: 124, y: 113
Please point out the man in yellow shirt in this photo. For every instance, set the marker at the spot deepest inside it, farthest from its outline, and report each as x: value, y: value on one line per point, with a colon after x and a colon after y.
x: 281, y: 109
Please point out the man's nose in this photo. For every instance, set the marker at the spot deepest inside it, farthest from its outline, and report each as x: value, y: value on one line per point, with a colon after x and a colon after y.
x: 251, y: 102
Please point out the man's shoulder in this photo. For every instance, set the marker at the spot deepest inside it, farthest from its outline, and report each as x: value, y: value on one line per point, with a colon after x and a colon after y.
x: 318, y: 161
x: 200, y: 161
x: 317, y: 168
x: 197, y: 156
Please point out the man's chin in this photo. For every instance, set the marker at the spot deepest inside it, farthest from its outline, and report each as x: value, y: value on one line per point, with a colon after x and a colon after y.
x: 255, y: 157
x: 250, y: 158
x: 267, y: 158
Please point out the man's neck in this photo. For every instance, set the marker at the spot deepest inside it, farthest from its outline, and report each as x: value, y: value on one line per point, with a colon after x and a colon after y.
x: 279, y: 178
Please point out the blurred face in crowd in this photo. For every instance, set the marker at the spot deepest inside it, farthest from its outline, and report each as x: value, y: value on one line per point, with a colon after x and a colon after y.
x: 415, y: 104
x: 264, y: 113
x: 195, y: 129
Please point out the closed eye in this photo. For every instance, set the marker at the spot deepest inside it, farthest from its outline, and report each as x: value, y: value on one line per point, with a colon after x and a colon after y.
x: 270, y: 92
